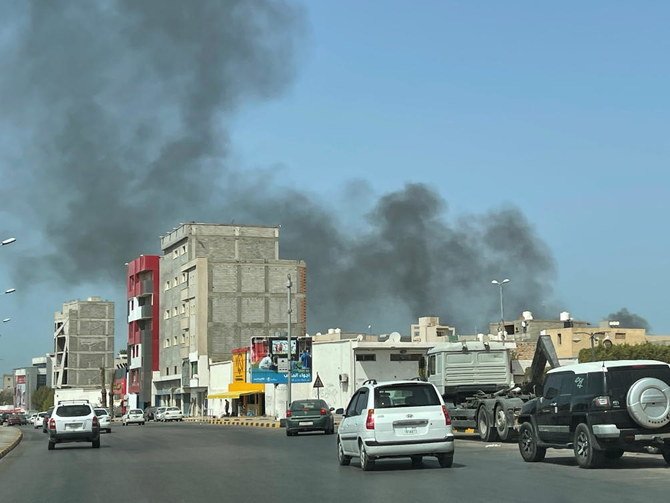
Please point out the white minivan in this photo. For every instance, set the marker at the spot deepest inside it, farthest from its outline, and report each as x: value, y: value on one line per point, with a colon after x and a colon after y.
x: 395, y: 419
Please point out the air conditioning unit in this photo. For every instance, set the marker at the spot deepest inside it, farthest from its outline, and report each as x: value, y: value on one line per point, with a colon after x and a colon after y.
x: 344, y: 378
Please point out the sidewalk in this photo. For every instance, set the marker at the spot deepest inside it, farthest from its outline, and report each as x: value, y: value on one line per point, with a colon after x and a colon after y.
x: 9, y: 438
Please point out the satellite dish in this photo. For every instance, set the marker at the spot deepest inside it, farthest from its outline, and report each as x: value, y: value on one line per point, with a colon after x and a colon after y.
x: 394, y: 337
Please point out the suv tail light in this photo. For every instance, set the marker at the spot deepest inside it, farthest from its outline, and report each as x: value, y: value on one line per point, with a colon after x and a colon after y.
x: 602, y: 402
x: 288, y: 413
x: 447, y: 417
x: 95, y: 421
x: 323, y: 412
x: 370, y: 420
x: 52, y: 424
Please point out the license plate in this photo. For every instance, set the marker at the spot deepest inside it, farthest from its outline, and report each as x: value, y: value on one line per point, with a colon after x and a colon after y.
x: 73, y: 426
x: 410, y: 431
x: 305, y: 423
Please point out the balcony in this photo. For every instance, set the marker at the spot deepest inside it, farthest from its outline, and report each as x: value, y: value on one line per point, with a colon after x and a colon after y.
x: 146, y: 287
x: 184, y: 323
x: 184, y: 294
x: 140, y: 313
x: 194, y: 382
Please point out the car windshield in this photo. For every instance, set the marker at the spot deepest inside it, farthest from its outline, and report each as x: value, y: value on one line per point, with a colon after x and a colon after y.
x: 405, y: 395
x: 308, y: 405
x: 135, y: 411
x: 101, y: 412
x: 173, y: 409
x: 73, y: 410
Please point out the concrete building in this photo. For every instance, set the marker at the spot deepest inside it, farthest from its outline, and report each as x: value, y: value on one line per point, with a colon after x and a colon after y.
x: 220, y: 285
x: 527, y: 328
x: 429, y: 330
x: 7, y: 381
x: 143, y: 293
x: 83, y: 344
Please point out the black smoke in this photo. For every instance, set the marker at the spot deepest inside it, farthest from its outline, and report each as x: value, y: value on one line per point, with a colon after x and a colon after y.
x: 627, y: 319
x: 119, y: 113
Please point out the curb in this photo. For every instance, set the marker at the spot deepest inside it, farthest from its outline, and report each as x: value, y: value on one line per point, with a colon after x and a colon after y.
x: 236, y: 422
x: 11, y: 446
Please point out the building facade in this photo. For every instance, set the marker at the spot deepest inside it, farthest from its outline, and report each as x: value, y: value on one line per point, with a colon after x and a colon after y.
x: 143, y: 295
x: 83, y: 344
x: 220, y: 285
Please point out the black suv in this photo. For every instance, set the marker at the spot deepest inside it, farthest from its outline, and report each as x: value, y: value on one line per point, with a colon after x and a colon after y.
x: 601, y: 410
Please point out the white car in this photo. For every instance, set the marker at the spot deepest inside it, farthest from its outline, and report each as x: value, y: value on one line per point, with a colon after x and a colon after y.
x: 38, y: 421
x: 133, y: 416
x: 395, y: 419
x: 158, y: 416
x: 104, y: 418
x: 172, y: 414
x: 73, y: 421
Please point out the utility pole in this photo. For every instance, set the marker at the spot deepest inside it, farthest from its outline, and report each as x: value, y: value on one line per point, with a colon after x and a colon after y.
x: 111, y: 394
x: 104, y: 390
x: 288, y: 377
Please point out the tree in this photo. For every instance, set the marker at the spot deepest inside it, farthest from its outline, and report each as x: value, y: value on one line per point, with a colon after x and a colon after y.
x: 646, y: 351
x: 43, y: 398
x: 6, y: 397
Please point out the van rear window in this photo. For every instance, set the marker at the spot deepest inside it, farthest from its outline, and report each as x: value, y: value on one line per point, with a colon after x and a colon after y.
x: 73, y: 410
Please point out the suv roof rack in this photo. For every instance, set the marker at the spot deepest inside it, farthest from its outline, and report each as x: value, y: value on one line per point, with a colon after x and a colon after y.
x: 369, y: 381
x: 73, y: 401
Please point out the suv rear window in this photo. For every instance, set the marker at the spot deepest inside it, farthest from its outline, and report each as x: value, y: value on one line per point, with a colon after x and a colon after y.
x: 308, y: 405
x: 620, y: 379
x: 101, y: 412
x: 73, y: 410
x: 405, y: 395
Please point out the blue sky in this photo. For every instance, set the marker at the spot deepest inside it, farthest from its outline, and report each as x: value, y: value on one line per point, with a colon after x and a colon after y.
x: 559, y: 109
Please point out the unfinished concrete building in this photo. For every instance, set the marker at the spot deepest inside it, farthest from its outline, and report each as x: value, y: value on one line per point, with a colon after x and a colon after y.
x: 83, y: 343
x: 221, y: 285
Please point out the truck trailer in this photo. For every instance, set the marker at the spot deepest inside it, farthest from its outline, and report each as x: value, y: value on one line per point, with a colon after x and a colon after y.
x: 476, y: 381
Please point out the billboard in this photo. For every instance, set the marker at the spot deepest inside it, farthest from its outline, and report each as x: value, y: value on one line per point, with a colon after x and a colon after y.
x: 270, y: 360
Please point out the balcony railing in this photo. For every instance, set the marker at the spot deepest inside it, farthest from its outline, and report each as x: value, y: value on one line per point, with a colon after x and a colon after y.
x: 146, y: 287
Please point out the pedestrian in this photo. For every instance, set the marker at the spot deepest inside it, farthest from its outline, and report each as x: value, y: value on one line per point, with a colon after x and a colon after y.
x: 227, y: 408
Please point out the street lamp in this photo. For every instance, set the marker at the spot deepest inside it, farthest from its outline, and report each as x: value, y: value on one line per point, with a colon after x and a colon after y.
x: 502, y: 312
x: 288, y: 377
x: 592, y: 337
x: 8, y: 241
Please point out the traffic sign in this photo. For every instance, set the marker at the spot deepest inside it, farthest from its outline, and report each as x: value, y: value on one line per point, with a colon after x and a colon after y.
x: 317, y: 382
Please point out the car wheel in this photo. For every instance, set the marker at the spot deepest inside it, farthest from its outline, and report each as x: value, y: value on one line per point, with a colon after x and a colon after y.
x: 614, y: 453
x: 530, y: 451
x: 585, y: 453
x: 367, y: 463
x: 417, y: 461
x: 502, y: 426
x: 445, y: 460
x: 342, y: 458
x: 289, y: 433
x: 666, y: 456
x: 52, y: 446
x: 142, y: 423
x: 96, y: 444
x: 486, y: 433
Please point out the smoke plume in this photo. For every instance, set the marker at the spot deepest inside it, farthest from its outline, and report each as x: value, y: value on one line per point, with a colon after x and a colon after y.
x: 627, y: 319
x: 118, y: 114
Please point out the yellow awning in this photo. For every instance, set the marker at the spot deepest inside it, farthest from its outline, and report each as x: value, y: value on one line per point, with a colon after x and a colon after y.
x: 246, y: 388
x: 224, y: 394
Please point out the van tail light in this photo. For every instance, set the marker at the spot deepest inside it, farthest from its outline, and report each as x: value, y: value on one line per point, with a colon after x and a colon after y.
x: 288, y: 413
x: 95, y: 421
x: 447, y: 417
x: 370, y: 420
x: 602, y: 402
x: 52, y: 424
x: 323, y: 412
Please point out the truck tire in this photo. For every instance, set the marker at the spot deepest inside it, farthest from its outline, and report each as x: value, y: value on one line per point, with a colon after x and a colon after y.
x: 648, y: 402
x: 501, y: 423
x: 484, y: 427
x: 530, y: 451
x: 585, y: 452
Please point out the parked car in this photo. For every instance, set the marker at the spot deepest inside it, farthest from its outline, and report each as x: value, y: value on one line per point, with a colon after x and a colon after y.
x: 158, y: 415
x: 133, y: 416
x: 309, y: 415
x: 3, y: 418
x: 150, y: 414
x: 104, y: 418
x: 14, y: 420
x: 74, y: 421
x: 23, y: 418
x: 395, y: 419
x: 600, y: 410
x: 172, y: 414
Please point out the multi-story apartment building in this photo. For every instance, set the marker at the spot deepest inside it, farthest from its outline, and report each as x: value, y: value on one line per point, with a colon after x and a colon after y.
x: 83, y: 344
x: 221, y: 285
x: 143, y: 328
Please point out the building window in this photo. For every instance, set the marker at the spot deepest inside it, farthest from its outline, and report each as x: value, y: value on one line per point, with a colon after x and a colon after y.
x: 560, y: 339
x: 183, y: 249
x: 194, y: 368
x: 175, y: 253
x: 619, y: 336
x: 176, y: 280
x: 175, y: 369
x: 166, y: 315
x: 167, y: 371
x: 167, y: 285
x: 174, y: 310
x: 183, y: 309
x: 183, y: 338
x: 174, y: 340
x: 405, y: 357
x: 366, y: 357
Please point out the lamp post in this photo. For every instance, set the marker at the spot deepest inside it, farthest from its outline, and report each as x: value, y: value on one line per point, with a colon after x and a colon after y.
x: 502, y: 312
x: 592, y: 338
x: 288, y: 376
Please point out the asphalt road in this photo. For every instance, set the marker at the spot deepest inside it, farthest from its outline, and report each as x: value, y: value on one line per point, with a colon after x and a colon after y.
x: 183, y: 462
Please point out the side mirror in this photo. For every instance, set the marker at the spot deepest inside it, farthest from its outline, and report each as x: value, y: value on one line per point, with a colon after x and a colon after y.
x: 332, y: 409
x: 339, y: 411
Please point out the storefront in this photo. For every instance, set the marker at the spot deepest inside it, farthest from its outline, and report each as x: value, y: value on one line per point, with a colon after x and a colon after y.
x: 244, y: 399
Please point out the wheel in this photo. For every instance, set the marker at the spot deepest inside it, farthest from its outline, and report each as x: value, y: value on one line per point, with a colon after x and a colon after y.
x: 142, y: 423
x: 367, y: 463
x: 96, y: 444
x: 342, y: 458
x: 502, y: 426
x: 330, y: 430
x: 124, y: 424
x: 289, y: 433
x: 445, y: 460
x: 614, y: 453
x: 585, y: 453
x: 417, y: 461
x: 530, y: 451
x: 52, y: 446
x: 486, y: 433
x: 666, y: 456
